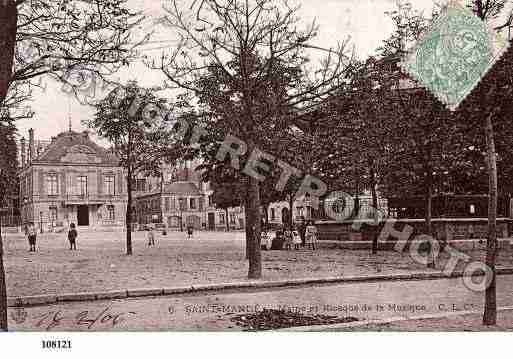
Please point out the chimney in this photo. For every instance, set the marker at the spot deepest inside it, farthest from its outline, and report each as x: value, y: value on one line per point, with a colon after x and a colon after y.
x: 31, y: 145
x: 23, y: 152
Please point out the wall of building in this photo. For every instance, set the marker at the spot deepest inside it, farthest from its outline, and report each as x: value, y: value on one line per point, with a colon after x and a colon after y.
x: 38, y: 202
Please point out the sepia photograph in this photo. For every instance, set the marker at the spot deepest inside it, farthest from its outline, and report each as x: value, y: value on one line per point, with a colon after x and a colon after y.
x: 242, y: 166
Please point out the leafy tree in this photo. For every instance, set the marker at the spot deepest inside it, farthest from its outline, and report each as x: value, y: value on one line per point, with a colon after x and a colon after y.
x: 227, y: 192
x: 8, y: 175
x: 241, y: 58
x: 488, y: 106
x: 132, y: 118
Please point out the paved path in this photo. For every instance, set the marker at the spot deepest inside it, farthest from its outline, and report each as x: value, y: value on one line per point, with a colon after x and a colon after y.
x: 212, y: 311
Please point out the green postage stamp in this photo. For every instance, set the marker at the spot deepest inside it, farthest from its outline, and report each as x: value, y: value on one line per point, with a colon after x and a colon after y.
x: 454, y: 54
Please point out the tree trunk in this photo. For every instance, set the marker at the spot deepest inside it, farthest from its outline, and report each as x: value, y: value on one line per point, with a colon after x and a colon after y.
x: 227, y: 220
x: 248, y: 229
x: 356, y: 209
x: 374, y: 195
x: 428, y: 215
x: 3, y: 289
x: 490, y: 310
x: 255, y: 260
x: 247, y: 220
x: 8, y: 29
x: 129, y: 212
x: 291, y: 211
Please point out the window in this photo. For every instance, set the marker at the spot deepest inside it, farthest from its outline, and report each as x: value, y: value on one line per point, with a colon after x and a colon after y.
x: 111, y: 215
x: 299, y: 211
x: 51, y: 184
x: 192, y: 203
x: 109, y: 185
x: 53, y: 214
x: 183, y: 203
x: 166, y: 203
x: 309, y: 213
x: 140, y: 185
x: 232, y: 218
x: 273, y: 214
x: 221, y: 218
x: 173, y: 203
x: 210, y: 201
x: 82, y: 185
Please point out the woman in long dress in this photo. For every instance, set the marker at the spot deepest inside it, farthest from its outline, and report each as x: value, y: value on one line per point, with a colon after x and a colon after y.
x: 311, y: 235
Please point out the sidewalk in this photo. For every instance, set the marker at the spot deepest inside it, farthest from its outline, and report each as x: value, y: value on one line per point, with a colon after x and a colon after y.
x: 463, y: 321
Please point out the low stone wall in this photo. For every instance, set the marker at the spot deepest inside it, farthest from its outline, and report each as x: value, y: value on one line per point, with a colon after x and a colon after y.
x: 443, y: 228
x: 11, y: 230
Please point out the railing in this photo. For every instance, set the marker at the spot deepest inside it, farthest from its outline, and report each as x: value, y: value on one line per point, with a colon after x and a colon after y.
x: 91, y: 198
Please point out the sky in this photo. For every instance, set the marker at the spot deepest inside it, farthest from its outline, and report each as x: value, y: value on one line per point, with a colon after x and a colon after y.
x: 363, y: 21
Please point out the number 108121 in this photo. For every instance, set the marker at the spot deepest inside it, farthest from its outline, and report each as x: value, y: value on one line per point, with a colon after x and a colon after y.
x: 56, y: 344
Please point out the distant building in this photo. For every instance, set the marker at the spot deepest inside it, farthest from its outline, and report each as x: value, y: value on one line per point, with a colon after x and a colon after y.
x: 182, y: 200
x: 71, y: 180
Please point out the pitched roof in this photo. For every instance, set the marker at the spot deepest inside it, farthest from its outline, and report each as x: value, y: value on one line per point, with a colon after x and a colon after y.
x: 77, y: 148
x: 182, y: 188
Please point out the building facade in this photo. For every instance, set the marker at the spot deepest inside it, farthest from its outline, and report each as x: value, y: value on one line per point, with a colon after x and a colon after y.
x: 71, y: 180
x: 181, y: 204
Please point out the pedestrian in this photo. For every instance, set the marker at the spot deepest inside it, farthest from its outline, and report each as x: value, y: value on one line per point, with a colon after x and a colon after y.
x: 287, y: 234
x: 190, y: 229
x: 311, y: 235
x: 302, y: 231
x: 72, y: 237
x: 296, y: 239
x: 150, y: 235
x: 32, y: 236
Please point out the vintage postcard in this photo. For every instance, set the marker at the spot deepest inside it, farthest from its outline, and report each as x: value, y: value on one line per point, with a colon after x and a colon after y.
x: 255, y: 165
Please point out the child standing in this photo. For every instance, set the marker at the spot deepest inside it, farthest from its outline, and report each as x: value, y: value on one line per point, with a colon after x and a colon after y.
x: 32, y: 236
x: 72, y: 237
x: 296, y: 239
x: 287, y: 235
x: 151, y: 236
x: 311, y: 235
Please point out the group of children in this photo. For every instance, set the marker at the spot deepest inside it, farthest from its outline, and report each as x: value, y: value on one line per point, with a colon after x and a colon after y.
x: 31, y: 233
x: 150, y: 235
x: 294, y: 238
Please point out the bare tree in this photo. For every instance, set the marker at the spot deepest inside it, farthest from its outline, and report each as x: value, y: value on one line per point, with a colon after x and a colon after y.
x: 245, y: 44
x: 58, y: 38
x: 55, y: 38
x: 488, y: 10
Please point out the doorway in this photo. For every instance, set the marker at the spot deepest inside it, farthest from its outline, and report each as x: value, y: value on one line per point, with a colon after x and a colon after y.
x: 82, y: 215
x: 211, y: 221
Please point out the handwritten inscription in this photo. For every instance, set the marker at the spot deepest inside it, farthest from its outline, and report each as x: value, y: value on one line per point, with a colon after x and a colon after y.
x: 85, y: 319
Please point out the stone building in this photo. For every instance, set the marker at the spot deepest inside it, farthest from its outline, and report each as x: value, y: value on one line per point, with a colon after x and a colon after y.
x: 71, y: 180
x: 182, y: 199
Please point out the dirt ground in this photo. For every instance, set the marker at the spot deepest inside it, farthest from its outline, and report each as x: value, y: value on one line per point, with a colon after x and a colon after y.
x: 100, y: 262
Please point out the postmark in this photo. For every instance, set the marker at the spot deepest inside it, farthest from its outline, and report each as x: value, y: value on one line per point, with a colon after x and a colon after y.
x: 454, y: 54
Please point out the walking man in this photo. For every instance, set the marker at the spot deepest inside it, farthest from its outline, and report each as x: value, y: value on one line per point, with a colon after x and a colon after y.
x: 72, y: 237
